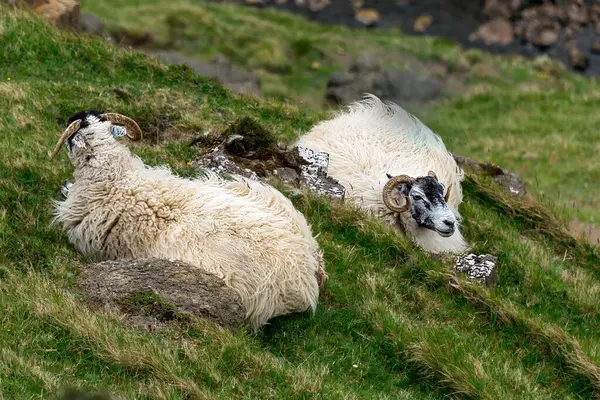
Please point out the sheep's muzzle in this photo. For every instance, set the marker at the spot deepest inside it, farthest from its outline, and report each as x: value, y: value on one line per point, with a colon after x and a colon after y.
x: 133, y: 130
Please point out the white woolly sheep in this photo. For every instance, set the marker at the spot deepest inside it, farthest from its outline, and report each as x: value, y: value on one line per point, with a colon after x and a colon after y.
x: 396, y: 167
x: 245, y: 232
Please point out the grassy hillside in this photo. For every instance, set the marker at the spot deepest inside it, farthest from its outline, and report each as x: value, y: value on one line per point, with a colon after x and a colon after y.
x: 392, y: 322
x: 534, y: 119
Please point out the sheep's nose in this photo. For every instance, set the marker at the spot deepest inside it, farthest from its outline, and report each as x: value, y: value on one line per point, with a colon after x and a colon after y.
x: 449, y: 223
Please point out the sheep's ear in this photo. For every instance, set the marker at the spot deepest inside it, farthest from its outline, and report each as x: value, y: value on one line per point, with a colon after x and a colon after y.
x: 432, y: 174
x: 119, y: 131
x: 447, y: 196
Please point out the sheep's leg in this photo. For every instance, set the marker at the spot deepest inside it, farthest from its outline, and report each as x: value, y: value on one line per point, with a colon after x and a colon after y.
x: 65, y: 188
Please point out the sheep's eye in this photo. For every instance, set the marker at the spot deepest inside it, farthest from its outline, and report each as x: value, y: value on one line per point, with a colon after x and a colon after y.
x: 417, y: 198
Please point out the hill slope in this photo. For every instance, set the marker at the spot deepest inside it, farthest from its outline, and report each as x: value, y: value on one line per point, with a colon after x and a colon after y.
x: 530, y: 117
x: 391, y: 323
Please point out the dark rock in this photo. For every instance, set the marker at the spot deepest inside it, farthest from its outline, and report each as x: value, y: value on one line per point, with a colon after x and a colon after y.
x: 159, y: 290
x: 366, y: 62
x: 339, y: 78
x: 91, y: 24
x: 397, y: 85
x: 579, y: 60
x: 407, y: 87
x: 496, y: 9
x: 515, y: 5
x: 511, y: 182
x: 570, y: 32
x: 287, y: 175
x: 133, y: 38
x: 219, y: 69
x: 542, y: 32
x: 595, y: 48
x: 577, y: 14
x: 239, y: 155
x: 498, y: 31
x: 480, y: 268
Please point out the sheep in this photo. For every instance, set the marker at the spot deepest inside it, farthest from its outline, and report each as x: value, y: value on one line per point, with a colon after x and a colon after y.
x: 246, y: 232
x: 395, y: 167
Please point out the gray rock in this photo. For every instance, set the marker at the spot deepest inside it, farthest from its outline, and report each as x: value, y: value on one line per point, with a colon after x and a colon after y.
x: 511, y: 182
x: 186, y: 290
x: 339, y: 78
x: 254, y: 155
x: 579, y: 60
x: 407, y: 87
x: 287, y: 174
x: 480, y: 268
x: 219, y: 162
x: 400, y: 86
x: 91, y: 24
x: 219, y: 69
x: 366, y: 62
x: 314, y: 175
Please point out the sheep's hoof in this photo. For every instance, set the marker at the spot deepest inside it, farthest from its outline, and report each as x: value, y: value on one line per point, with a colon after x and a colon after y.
x: 65, y: 188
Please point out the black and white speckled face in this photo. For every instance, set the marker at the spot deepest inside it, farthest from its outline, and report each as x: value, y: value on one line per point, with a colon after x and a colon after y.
x: 77, y: 141
x: 86, y: 135
x: 428, y: 207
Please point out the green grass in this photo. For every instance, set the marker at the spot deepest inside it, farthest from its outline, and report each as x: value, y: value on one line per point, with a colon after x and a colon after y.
x: 392, y: 323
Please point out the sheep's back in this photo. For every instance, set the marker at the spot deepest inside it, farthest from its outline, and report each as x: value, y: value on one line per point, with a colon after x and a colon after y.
x: 368, y: 142
x: 251, y: 236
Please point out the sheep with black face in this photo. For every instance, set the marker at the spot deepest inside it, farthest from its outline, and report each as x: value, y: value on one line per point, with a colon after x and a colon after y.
x: 392, y: 164
x: 245, y: 232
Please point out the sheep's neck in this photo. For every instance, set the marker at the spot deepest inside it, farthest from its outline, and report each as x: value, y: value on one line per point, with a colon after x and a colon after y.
x: 105, y: 165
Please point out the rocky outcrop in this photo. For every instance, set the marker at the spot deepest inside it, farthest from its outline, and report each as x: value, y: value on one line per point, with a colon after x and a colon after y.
x: 513, y: 184
x: 545, y: 25
x: 245, y: 148
x: 60, y: 13
x: 91, y: 24
x: 299, y: 167
x: 498, y: 31
x: 479, y: 268
x: 365, y: 75
x: 156, y: 291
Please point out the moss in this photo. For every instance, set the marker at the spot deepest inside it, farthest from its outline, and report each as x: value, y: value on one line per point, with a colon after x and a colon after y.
x: 255, y: 136
x: 150, y: 304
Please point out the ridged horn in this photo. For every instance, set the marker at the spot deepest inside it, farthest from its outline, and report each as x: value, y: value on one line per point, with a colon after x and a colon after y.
x: 71, y: 129
x: 133, y: 130
x: 389, y: 188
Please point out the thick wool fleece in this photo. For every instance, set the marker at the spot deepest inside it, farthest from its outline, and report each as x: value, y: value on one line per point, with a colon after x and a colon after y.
x: 245, y: 232
x: 371, y: 139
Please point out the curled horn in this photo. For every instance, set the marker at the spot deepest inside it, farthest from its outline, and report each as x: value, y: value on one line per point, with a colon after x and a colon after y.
x: 389, y: 188
x: 71, y: 129
x: 133, y: 130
